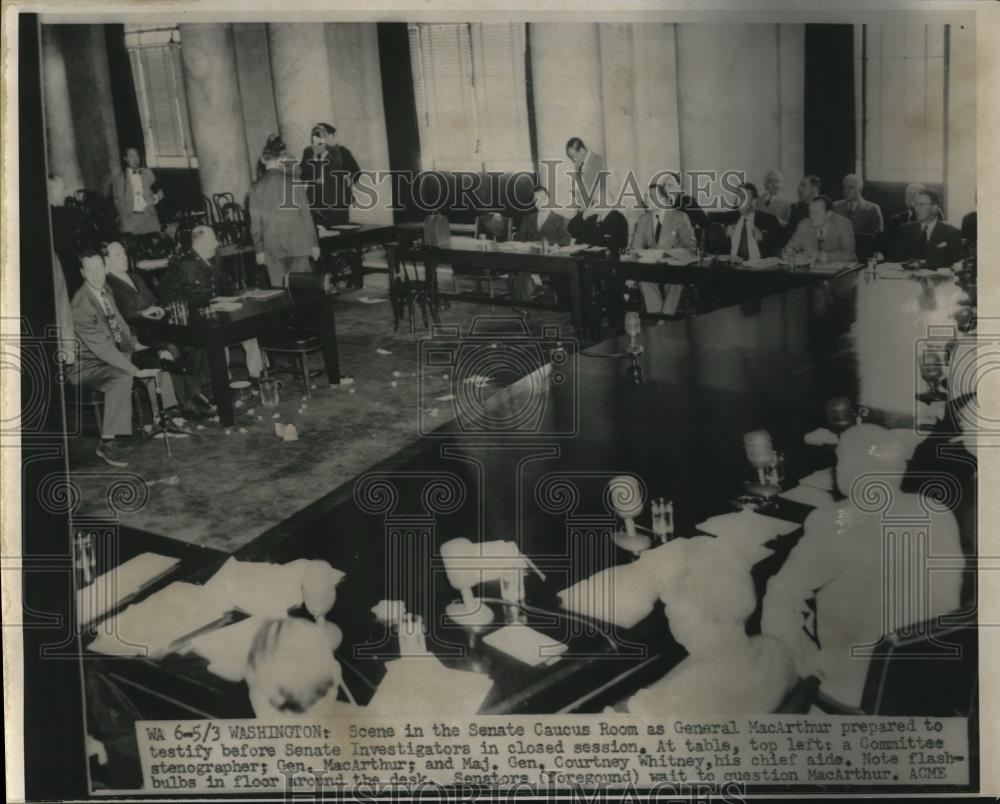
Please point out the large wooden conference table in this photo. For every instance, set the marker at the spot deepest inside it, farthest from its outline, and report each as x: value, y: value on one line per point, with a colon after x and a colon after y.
x: 767, y: 364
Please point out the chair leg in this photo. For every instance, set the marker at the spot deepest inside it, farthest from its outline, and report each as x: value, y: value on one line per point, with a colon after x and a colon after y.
x: 305, y: 373
x: 98, y: 409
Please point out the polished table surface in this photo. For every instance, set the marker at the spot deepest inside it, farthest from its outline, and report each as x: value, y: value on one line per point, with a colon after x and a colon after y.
x: 768, y: 364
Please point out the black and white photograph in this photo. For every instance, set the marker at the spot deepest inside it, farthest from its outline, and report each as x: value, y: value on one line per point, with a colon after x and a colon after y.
x: 411, y: 401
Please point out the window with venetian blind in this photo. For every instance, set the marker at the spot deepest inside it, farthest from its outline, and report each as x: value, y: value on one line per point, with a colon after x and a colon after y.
x: 470, y: 86
x: 155, y: 56
x: 904, y: 68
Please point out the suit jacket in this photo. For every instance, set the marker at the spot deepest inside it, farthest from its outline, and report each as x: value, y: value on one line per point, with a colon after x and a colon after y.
x: 129, y: 220
x: 969, y: 225
x: 611, y: 231
x: 331, y: 178
x: 131, y: 301
x: 554, y: 229
x: 95, y: 343
x: 280, y: 221
x: 676, y: 230
x: 191, y: 279
x: 866, y: 217
x: 776, y: 205
x: 772, y: 233
x: 838, y: 239
x: 798, y: 211
x: 944, y: 248
x: 590, y: 182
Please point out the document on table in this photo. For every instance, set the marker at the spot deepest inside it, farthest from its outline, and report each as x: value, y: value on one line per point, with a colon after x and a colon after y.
x: 748, y: 531
x: 526, y: 645
x: 807, y: 495
x: 421, y: 685
x: 121, y: 583
x: 820, y: 479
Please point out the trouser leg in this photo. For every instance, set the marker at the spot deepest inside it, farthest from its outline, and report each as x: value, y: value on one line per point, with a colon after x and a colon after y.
x: 255, y: 360
x: 298, y: 265
x: 116, y: 385
x: 652, y: 297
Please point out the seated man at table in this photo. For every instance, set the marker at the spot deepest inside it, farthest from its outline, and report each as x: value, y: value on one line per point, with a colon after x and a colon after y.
x: 106, y: 348
x: 824, y: 235
x: 661, y: 227
x: 829, y: 598
x: 928, y: 239
x: 753, y: 234
x: 196, y: 278
x: 133, y: 299
x: 542, y: 223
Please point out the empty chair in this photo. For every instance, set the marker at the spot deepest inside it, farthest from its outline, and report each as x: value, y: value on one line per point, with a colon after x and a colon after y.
x: 292, y: 347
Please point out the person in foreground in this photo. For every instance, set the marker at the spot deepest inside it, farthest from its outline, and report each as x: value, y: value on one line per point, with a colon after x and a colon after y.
x: 106, y: 347
x: 824, y: 235
x: 828, y: 601
x: 928, y: 239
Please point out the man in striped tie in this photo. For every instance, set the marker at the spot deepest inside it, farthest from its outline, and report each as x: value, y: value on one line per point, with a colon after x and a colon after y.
x: 105, y: 346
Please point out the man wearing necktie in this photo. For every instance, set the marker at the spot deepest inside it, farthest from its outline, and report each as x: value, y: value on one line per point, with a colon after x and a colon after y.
x: 105, y: 346
x: 134, y: 196
x: 771, y: 201
x: 928, y: 239
x: 824, y: 236
x: 754, y: 234
x: 865, y: 216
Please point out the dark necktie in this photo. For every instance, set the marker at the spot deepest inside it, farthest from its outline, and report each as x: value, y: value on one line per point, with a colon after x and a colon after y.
x: 819, y: 239
x: 656, y: 231
x: 743, y: 250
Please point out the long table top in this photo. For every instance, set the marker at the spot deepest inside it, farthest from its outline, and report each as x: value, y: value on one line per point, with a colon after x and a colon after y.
x: 769, y: 364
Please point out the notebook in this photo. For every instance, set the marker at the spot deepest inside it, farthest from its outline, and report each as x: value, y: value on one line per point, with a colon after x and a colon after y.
x: 526, y: 645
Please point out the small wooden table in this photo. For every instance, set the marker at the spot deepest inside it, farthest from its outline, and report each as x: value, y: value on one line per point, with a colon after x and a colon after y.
x: 253, y: 319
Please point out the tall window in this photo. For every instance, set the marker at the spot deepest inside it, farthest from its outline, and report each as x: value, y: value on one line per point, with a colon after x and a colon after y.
x: 472, y: 99
x: 905, y: 70
x: 155, y: 55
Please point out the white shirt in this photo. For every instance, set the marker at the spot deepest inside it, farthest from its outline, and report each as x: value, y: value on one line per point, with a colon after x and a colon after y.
x: 138, y: 199
x: 927, y: 229
x: 752, y: 248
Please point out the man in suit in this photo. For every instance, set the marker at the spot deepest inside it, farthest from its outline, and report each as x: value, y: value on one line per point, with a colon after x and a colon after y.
x: 808, y: 189
x: 331, y: 169
x: 134, y: 196
x: 590, y: 178
x: 104, y: 360
x: 754, y: 234
x: 928, y: 239
x: 542, y: 223
x: 196, y: 278
x: 825, y: 235
x: 772, y: 202
x: 281, y: 224
x: 908, y: 215
x: 969, y: 226
x: 660, y: 226
x: 865, y: 216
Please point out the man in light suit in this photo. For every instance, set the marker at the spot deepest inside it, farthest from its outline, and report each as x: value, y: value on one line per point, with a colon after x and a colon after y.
x: 284, y: 235
x: 753, y: 234
x: 929, y: 239
x: 105, y: 347
x: 865, y: 216
x: 662, y: 227
x: 134, y: 196
x: 771, y: 201
x: 827, y: 236
x: 591, y: 186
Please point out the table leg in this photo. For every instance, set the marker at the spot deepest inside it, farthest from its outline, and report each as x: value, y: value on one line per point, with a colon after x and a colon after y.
x: 576, y: 303
x: 430, y: 274
x: 328, y: 334
x: 219, y: 369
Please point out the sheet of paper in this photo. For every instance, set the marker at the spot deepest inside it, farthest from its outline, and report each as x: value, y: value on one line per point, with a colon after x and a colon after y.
x: 150, y: 627
x: 820, y: 479
x: 269, y: 590
x: 421, y: 685
x: 526, y: 644
x: 623, y: 595
x: 127, y: 579
x: 226, y: 649
x: 747, y: 525
x: 807, y: 495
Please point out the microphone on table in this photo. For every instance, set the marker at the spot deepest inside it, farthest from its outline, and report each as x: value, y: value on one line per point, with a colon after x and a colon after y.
x: 760, y: 454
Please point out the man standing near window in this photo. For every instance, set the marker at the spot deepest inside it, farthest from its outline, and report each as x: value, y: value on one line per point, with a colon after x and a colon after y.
x: 772, y: 202
x: 134, y: 196
x: 284, y: 235
x: 590, y: 182
x: 865, y: 216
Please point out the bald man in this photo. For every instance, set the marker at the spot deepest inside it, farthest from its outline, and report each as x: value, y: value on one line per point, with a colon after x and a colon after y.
x: 864, y: 215
x: 771, y: 201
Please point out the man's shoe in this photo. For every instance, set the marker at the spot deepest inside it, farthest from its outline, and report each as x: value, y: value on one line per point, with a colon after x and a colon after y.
x: 107, y: 451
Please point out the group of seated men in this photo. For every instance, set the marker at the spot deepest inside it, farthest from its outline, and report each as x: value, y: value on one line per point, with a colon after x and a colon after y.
x: 110, y: 356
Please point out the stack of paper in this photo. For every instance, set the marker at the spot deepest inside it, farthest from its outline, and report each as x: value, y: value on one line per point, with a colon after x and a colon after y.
x: 762, y: 264
x: 423, y: 686
x: 821, y: 479
x: 261, y: 294
x: 623, y: 595
x: 118, y: 585
x: 807, y: 495
x: 261, y: 588
x: 747, y: 531
x: 526, y: 645
x: 154, y: 625
x: 227, y: 649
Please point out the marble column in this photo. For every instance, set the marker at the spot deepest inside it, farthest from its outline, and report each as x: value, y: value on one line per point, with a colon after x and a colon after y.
x: 60, y: 139
x: 300, y: 68
x: 566, y: 84
x: 213, y: 95
x: 253, y: 65
x: 86, y: 54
